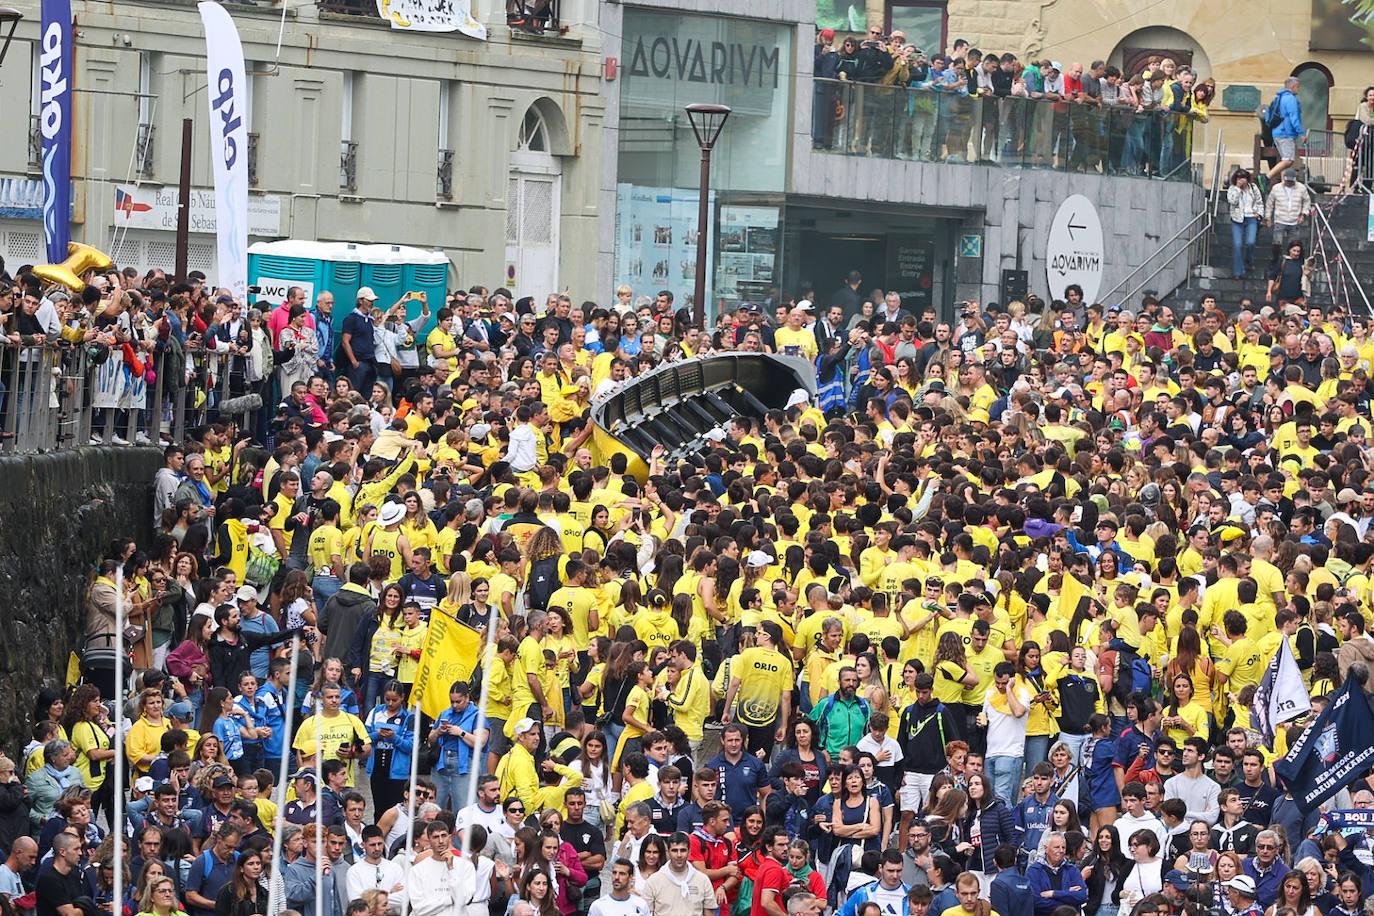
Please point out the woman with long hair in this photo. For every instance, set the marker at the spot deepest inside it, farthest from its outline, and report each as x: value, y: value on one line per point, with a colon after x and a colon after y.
x: 760, y: 690
x: 616, y: 684
x: 1190, y: 660
x: 1063, y: 819
x: 801, y: 748
x: 90, y: 731
x: 951, y: 669
x: 150, y: 871
x: 1040, y: 724
x: 947, y: 815
x: 750, y: 829
x: 636, y: 715
x: 379, y: 648
x: 536, y: 889
x: 391, y: 727
x: 1293, y: 893
x: 190, y: 661
x: 245, y: 894
x: 596, y: 778
x: 1103, y: 868
x: 1184, y: 718
x: 855, y: 816
x: 331, y: 672
x: 994, y: 823
x: 560, y: 861
x: 653, y: 855
x: 208, y: 752
x: 871, y: 686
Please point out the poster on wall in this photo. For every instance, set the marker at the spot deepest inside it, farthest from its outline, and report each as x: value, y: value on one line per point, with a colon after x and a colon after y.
x: 746, y: 265
x: 841, y: 15
x: 1341, y: 25
x: 656, y: 241
x: 911, y: 270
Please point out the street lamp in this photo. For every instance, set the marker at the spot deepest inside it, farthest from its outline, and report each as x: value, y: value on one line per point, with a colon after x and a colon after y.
x: 707, y: 122
x: 12, y: 16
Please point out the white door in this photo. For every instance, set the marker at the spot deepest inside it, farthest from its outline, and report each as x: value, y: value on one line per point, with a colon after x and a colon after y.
x: 533, y: 210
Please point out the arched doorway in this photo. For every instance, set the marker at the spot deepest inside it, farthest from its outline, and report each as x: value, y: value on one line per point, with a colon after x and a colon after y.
x: 533, y: 204
x: 1132, y: 51
x: 1314, y: 94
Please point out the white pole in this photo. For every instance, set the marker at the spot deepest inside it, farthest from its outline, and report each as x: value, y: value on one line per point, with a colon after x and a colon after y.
x: 415, y: 749
x: 319, y: 803
x: 479, y: 758
x: 117, y: 820
x: 275, y: 905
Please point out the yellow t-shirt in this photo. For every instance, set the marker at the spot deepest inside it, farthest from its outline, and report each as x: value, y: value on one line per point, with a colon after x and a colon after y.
x: 86, y: 736
x: 529, y: 659
x: 1242, y: 664
x: 579, y: 602
x: 326, y: 542
x: 800, y: 342
x: 328, y: 735
x: 764, y: 676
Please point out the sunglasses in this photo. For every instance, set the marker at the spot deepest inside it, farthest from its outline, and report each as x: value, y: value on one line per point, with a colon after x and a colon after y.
x: 515, y: 810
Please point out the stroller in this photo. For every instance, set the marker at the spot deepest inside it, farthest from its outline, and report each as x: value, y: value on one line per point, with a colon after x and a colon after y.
x: 97, y: 659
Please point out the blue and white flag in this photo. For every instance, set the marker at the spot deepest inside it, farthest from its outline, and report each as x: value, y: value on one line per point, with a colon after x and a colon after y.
x: 228, y: 145
x: 55, y: 122
x: 1282, y: 694
x: 1333, y: 751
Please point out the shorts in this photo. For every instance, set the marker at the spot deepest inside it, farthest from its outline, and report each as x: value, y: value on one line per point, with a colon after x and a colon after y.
x: 915, y: 787
x: 497, y: 742
x: 1287, y: 147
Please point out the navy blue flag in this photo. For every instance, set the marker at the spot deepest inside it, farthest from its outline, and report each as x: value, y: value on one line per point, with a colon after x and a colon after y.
x: 55, y: 119
x: 1332, y: 751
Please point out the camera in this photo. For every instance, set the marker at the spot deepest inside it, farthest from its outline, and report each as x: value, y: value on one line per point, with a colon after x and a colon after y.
x: 255, y: 289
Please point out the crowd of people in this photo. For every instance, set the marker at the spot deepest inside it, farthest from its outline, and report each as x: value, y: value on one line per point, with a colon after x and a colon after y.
x: 970, y: 106
x: 977, y: 629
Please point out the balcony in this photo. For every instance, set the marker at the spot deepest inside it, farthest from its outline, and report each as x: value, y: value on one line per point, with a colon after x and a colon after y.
x: 253, y: 159
x: 361, y: 8
x: 922, y: 125
x: 35, y: 143
x: 445, y: 176
x: 147, y: 135
x: 348, y: 166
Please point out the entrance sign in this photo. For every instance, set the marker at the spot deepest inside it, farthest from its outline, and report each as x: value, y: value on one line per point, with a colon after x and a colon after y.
x: 1074, y: 251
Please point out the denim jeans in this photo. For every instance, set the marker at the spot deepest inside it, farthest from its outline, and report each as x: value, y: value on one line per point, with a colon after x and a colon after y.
x: 1075, y: 743
x: 1037, y: 750
x: 325, y: 587
x: 451, y: 786
x: 1243, y: 236
x: 1005, y: 773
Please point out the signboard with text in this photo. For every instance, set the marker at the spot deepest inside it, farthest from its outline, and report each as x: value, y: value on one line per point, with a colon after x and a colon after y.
x: 911, y: 270
x: 156, y: 209
x: 1074, y: 251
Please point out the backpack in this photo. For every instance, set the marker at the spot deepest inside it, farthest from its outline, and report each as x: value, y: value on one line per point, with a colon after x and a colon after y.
x: 1133, y: 673
x: 261, y: 567
x: 1352, y: 134
x: 543, y: 582
x: 1270, y: 117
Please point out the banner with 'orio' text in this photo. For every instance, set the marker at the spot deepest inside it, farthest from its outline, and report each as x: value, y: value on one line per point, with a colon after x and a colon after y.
x: 228, y: 145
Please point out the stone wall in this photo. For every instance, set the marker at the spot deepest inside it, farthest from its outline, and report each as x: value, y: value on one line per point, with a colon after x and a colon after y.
x: 58, y: 514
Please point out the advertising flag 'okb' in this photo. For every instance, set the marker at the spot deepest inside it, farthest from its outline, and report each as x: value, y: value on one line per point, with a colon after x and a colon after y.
x: 55, y: 121
x: 1332, y: 751
x: 228, y: 89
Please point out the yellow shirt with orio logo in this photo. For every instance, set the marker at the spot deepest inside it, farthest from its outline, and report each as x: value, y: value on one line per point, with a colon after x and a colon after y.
x: 764, y: 676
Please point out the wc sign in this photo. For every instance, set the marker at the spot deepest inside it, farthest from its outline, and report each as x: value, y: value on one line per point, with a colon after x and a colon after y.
x: 274, y: 291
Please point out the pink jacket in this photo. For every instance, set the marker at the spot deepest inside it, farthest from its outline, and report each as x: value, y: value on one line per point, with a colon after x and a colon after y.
x: 578, y: 877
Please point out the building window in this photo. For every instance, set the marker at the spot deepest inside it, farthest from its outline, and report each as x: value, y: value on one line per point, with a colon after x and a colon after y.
x: 921, y: 21
x: 1314, y: 93
x: 534, y: 133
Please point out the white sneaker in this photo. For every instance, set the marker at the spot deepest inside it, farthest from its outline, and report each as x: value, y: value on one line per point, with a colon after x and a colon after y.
x: 118, y: 440
x: 96, y: 440
x: 142, y: 439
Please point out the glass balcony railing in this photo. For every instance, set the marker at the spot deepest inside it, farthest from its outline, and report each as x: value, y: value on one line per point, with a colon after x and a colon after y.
x: 893, y: 122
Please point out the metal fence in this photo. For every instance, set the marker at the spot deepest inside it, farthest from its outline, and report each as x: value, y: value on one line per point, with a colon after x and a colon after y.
x: 60, y: 397
x: 895, y: 122
x: 1325, y: 157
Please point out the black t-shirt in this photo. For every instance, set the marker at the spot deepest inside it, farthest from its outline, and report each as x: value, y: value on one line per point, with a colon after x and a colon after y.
x: 583, y: 837
x: 55, y: 889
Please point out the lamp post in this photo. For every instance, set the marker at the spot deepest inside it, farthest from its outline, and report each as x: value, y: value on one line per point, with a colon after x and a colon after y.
x: 12, y: 16
x: 707, y: 122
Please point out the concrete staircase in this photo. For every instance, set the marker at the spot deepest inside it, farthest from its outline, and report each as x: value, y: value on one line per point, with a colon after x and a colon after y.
x: 1349, y: 221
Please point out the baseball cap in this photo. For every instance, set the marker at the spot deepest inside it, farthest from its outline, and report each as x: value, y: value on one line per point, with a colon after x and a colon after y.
x: 1178, y: 879
x: 754, y: 308
x: 480, y: 431
x: 367, y: 293
x: 1290, y: 174
x: 180, y: 710
x: 1056, y: 65
x: 221, y: 782
x: 246, y: 593
x: 827, y: 34
x: 525, y: 725
x: 806, y: 305
x: 1277, y: 351
x: 304, y: 773
x: 143, y: 784
x: 1348, y: 495
x: 509, y: 316
x: 759, y: 558
x: 800, y: 396
x: 1242, y: 883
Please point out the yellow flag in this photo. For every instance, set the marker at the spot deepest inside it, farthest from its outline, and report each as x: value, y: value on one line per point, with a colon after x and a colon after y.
x: 73, y: 669
x: 450, y: 654
x: 1070, y: 591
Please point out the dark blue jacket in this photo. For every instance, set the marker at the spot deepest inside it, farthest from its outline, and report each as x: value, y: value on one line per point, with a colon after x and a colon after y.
x: 1043, y: 878
x: 1011, y: 894
x: 997, y: 827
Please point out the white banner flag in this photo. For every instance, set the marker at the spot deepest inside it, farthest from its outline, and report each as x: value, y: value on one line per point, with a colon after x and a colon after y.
x: 1282, y: 694
x: 228, y: 145
x: 432, y: 16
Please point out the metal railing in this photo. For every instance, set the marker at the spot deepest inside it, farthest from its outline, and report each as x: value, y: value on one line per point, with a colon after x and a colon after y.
x: 1196, y: 236
x: 895, y: 122
x: 1321, y: 224
x: 35, y: 143
x: 367, y: 8
x: 56, y: 397
x: 445, y: 175
x: 348, y: 165
x: 1325, y: 158
x: 147, y: 135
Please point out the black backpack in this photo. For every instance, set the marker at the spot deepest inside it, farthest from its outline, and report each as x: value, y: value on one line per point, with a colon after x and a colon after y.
x: 543, y: 582
x: 1352, y: 133
x: 1270, y: 117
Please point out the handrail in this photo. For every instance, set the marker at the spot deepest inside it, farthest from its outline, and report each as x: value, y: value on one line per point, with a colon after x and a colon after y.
x: 1207, y: 214
x: 1203, y: 214
x: 1344, y: 262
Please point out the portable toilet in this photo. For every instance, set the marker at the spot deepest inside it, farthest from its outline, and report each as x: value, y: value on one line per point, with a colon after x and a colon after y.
x: 275, y: 267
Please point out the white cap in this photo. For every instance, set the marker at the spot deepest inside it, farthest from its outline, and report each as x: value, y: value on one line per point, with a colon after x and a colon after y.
x: 716, y: 435
x: 246, y: 593
x: 391, y: 514
x: 480, y: 430
x: 525, y: 725
x: 367, y: 293
x: 759, y: 558
x: 800, y: 396
x: 806, y: 305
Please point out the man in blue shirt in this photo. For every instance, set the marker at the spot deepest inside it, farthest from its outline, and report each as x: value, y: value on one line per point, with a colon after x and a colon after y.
x: 743, y: 777
x: 212, y: 869
x: 1032, y: 813
x: 1288, y: 131
x: 458, y: 730
x: 357, y: 343
x: 1010, y: 892
x: 1137, y: 739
